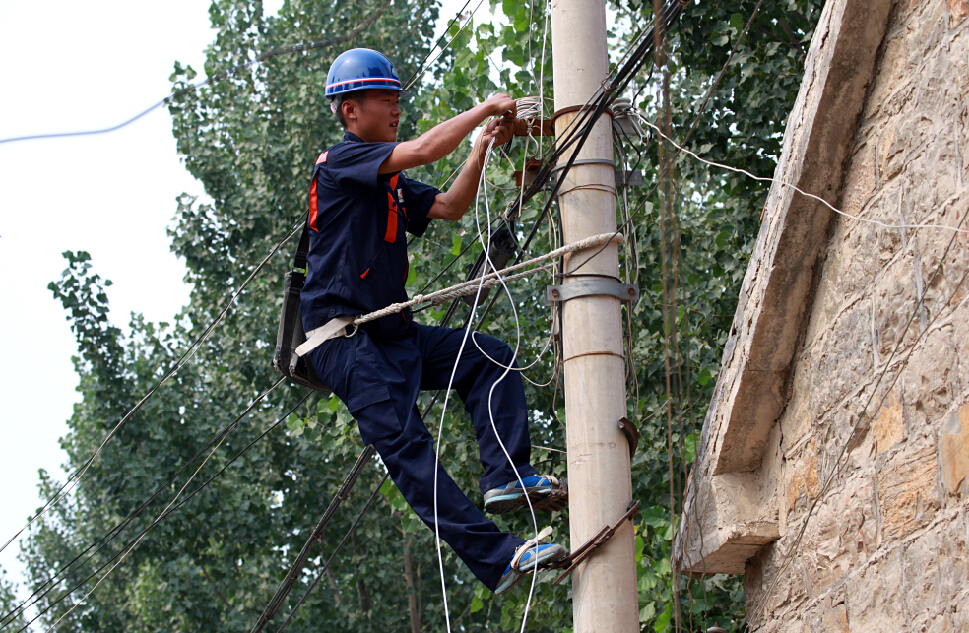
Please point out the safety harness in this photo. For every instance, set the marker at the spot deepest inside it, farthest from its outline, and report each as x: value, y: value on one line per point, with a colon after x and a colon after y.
x: 292, y: 344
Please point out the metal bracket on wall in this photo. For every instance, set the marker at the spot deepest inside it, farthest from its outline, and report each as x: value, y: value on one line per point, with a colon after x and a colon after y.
x: 590, y: 287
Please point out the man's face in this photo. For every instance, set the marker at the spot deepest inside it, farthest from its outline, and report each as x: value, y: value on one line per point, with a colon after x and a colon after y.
x: 377, y: 116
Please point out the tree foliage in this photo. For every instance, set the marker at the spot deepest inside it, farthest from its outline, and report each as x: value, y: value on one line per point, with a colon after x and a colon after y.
x: 252, y: 139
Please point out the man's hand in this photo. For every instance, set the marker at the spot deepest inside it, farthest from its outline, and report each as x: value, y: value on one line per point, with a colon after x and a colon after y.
x: 501, y: 104
x: 501, y: 130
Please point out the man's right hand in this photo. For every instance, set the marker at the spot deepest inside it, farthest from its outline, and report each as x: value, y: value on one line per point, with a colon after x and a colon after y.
x: 445, y: 137
x: 501, y: 104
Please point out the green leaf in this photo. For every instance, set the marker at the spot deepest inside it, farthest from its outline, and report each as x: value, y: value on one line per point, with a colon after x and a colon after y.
x: 456, y: 244
x: 647, y: 613
x: 476, y: 605
x: 703, y: 377
x: 663, y: 621
x: 655, y: 516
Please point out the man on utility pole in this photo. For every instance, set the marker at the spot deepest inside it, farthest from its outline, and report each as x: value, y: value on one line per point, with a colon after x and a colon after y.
x: 604, y: 593
x: 361, y: 206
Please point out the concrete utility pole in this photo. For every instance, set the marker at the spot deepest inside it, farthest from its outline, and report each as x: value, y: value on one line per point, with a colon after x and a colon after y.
x: 604, y: 591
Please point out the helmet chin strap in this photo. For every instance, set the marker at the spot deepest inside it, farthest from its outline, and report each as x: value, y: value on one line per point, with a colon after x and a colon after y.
x: 333, y: 106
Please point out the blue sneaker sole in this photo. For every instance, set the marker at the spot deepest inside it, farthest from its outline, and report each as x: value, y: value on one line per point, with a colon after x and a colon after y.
x: 543, y: 498
x: 511, y: 579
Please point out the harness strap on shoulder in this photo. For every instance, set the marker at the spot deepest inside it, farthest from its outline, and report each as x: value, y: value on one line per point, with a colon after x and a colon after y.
x: 302, y: 249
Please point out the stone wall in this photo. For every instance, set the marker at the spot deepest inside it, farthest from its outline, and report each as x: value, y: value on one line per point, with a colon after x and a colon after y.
x: 877, y: 401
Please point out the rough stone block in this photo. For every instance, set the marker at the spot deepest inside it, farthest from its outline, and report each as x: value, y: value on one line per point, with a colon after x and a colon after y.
x: 954, y: 452
x: 908, y: 491
x: 834, y: 617
x: 842, y: 534
x: 803, y: 479
x: 930, y: 378
x: 892, y: 71
x: 895, y: 301
x: 947, y: 285
x: 860, y: 181
x: 927, y: 27
x: 873, y: 597
x: 931, y: 173
x: 958, y: 10
x: 959, y: 616
x: 889, y: 424
x: 842, y: 357
x: 849, y: 267
x: 921, y: 581
x: 931, y: 623
x: 953, y: 565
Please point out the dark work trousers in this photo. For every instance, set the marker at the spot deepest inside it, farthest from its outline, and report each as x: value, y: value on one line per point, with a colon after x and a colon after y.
x: 379, y: 380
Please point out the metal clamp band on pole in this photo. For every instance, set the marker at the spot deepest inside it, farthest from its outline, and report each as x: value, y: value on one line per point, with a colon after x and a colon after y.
x: 591, y: 287
x: 587, y: 161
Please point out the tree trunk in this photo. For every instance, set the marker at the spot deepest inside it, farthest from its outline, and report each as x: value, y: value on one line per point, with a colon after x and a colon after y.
x: 413, y: 597
x: 363, y: 596
x: 331, y: 578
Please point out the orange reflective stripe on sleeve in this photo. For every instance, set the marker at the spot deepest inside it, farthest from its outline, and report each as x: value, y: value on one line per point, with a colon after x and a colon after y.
x: 313, y: 206
x: 391, y: 235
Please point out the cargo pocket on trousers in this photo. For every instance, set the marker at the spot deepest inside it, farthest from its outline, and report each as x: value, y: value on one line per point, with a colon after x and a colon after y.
x: 374, y: 413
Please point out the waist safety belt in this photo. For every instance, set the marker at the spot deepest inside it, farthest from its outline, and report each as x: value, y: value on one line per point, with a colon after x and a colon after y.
x: 292, y: 344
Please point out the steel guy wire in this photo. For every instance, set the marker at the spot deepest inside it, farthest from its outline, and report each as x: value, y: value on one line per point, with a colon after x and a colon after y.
x: 422, y: 70
x: 109, y: 536
x: 299, y: 48
x: 315, y: 536
x: 861, y: 417
x: 130, y: 545
x: 333, y: 556
x: 187, y: 355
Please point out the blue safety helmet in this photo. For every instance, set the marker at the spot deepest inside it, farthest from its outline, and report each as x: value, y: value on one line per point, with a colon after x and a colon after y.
x: 361, y: 69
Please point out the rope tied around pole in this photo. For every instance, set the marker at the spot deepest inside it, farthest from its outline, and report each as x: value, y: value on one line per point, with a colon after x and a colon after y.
x: 491, y: 279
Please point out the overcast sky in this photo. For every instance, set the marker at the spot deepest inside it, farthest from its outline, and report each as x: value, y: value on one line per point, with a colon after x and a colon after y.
x: 79, y: 66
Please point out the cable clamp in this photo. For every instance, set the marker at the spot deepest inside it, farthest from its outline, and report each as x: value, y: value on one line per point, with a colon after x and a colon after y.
x: 629, y: 429
x: 592, y: 287
x: 570, y: 562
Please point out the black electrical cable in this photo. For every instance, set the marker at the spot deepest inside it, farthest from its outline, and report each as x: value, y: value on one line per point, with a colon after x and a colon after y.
x: 164, y: 515
x: 177, y: 506
x: 420, y: 67
x: 635, y: 61
x: 107, y: 538
x: 79, y: 472
x: 317, y: 535
x: 601, y: 103
x: 696, y: 120
x: 333, y: 556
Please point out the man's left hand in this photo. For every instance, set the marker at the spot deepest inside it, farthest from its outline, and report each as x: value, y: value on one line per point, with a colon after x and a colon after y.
x: 501, y: 130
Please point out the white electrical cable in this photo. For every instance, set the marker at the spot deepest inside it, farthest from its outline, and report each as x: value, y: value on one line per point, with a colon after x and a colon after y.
x: 468, y: 331
x: 738, y: 170
x: 486, y: 244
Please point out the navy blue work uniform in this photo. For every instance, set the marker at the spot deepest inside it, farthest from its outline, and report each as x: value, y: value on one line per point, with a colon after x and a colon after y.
x: 358, y: 264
